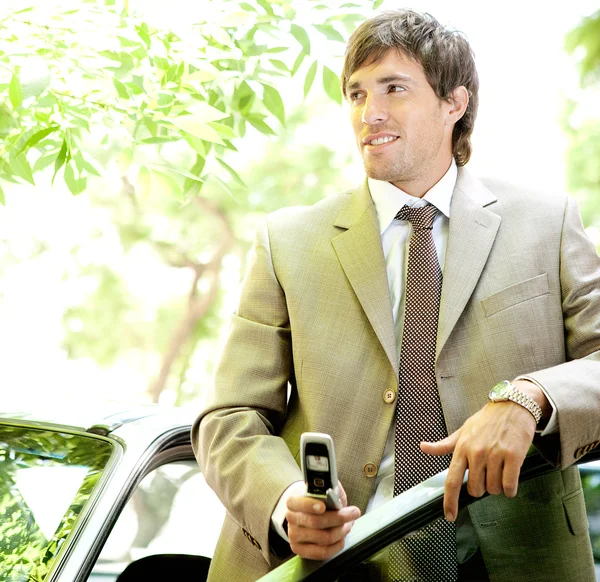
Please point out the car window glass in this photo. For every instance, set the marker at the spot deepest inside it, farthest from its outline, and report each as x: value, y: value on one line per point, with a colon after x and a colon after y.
x: 172, y: 511
x: 46, y: 480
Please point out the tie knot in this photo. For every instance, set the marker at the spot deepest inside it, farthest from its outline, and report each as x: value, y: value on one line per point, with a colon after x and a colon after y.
x: 421, y: 218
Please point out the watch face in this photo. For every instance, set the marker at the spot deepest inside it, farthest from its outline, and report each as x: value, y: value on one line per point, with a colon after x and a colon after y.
x: 500, y: 391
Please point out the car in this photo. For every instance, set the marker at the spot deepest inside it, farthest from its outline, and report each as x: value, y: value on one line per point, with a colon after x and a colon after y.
x: 87, y: 492
x: 112, y: 493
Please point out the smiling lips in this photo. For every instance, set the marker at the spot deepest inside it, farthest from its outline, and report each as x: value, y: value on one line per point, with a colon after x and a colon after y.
x: 380, y: 140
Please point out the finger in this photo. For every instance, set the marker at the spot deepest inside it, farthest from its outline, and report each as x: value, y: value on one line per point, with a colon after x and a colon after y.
x: 320, y: 537
x: 315, y: 552
x: 443, y: 447
x: 326, y: 520
x: 510, y: 475
x: 305, y: 504
x: 477, y: 472
x: 342, y: 493
x: 454, y: 480
x: 493, y: 476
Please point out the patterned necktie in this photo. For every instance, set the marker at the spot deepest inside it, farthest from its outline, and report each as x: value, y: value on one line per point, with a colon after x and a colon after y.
x: 430, y: 553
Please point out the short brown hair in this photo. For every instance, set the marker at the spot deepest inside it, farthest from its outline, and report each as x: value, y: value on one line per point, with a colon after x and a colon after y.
x: 444, y: 54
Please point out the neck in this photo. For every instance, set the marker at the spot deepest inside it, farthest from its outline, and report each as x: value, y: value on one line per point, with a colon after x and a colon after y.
x: 419, y: 186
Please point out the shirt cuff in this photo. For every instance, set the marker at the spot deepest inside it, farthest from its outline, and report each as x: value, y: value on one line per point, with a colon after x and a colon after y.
x: 278, y: 516
x: 552, y: 425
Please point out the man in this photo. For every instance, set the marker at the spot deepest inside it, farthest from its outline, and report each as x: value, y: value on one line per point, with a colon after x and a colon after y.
x: 344, y: 304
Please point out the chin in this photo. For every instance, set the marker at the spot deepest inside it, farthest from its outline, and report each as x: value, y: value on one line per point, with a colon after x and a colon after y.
x: 383, y: 174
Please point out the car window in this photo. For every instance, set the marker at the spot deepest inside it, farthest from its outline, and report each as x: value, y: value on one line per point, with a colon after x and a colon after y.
x: 172, y: 511
x: 590, y: 479
x: 376, y: 567
x: 46, y: 481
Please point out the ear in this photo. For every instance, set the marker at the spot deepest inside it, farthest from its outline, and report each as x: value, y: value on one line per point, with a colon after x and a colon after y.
x: 458, y: 101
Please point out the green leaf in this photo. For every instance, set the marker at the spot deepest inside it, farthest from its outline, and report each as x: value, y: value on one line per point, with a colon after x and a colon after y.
x: 376, y: 4
x: 232, y: 173
x: 164, y: 184
x: 202, y: 111
x: 279, y: 65
x: 121, y: 89
x: 223, y: 130
x: 15, y: 92
x: 83, y: 165
x: 331, y: 84
x: 199, y: 146
x: 310, y: 77
x: 37, y: 137
x: 302, y: 37
x: 143, y: 182
x: 243, y: 97
x: 258, y: 123
x: 43, y: 162
x: 330, y: 32
x: 142, y: 31
x: 61, y: 158
x: 160, y: 140
x: 225, y: 187
x: 2, y: 197
x: 298, y: 62
x: 75, y: 185
x: 20, y: 166
x: 179, y: 172
x: 274, y: 103
x: 266, y: 6
x: 193, y: 126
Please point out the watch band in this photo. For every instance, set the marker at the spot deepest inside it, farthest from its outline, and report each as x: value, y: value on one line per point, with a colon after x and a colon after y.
x: 513, y: 394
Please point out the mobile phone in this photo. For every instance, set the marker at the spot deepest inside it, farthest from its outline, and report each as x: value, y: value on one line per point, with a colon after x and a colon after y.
x: 317, y: 457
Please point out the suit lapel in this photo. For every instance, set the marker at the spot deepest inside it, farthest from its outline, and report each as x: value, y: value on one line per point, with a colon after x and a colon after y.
x: 360, y: 253
x: 472, y: 231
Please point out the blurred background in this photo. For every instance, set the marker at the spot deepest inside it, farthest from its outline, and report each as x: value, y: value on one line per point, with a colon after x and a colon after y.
x: 142, y: 141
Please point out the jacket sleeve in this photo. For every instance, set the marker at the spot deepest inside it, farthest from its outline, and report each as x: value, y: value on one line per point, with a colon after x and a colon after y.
x: 574, y: 386
x: 235, y: 436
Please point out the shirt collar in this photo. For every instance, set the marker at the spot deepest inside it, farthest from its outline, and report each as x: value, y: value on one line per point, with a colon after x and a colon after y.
x: 388, y: 199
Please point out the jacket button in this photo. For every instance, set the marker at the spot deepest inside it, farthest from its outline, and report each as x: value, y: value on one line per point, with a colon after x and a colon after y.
x: 370, y: 470
x: 389, y: 396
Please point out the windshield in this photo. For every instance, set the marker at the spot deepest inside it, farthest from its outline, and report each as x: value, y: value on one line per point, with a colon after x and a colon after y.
x: 46, y: 479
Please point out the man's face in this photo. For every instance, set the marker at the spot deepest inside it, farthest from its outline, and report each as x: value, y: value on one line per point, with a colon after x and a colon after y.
x: 401, y: 126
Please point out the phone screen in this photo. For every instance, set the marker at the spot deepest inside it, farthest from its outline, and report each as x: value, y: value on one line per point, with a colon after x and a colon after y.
x: 317, y: 463
x: 318, y: 476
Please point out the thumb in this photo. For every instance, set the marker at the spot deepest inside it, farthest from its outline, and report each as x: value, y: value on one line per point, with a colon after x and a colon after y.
x: 442, y: 447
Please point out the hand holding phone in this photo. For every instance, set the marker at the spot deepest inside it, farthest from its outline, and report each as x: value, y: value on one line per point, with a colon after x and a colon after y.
x: 317, y: 457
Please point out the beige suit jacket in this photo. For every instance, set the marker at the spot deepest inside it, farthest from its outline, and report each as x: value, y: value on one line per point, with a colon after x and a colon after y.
x: 521, y: 295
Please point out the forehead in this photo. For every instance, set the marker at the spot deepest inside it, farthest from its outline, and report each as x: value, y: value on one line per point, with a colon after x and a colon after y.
x: 392, y: 63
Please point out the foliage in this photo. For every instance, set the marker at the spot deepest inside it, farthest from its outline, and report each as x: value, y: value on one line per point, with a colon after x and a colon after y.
x: 96, y: 72
x: 147, y: 120
x: 25, y: 553
x: 583, y: 127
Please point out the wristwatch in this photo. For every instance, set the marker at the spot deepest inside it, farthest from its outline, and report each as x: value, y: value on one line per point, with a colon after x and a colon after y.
x: 506, y: 390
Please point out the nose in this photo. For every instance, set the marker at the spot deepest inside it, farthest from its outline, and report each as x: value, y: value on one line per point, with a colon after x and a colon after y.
x: 374, y: 110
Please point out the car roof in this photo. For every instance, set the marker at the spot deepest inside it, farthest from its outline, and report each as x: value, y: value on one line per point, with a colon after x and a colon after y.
x: 100, y: 416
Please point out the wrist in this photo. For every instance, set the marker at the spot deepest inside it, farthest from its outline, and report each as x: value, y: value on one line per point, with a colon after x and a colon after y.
x: 506, y: 391
x: 537, y: 395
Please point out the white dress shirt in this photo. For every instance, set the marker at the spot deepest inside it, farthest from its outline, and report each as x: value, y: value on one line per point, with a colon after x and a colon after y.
x: 388, y: 200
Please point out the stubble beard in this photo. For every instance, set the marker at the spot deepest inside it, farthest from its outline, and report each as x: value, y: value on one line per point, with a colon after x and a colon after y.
x: 397, y: 169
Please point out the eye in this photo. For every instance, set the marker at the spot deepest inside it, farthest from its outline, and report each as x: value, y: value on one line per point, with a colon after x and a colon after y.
x: 355, y: 96
x: 396, y: 89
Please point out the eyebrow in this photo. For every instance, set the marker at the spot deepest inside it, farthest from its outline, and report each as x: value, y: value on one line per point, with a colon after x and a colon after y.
x: 383, y: 81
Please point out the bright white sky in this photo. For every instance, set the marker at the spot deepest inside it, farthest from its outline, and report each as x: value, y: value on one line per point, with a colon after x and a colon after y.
x: 524, y: 76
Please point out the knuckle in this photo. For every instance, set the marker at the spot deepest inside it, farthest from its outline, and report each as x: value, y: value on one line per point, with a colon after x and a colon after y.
x: 473, y: 491
x: 453, y: 482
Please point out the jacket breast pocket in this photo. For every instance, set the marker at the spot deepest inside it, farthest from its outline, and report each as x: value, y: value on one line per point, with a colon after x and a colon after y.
x: 515, y: 294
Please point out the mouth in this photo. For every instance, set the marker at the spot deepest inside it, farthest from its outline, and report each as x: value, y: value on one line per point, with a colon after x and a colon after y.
x: 379, y: 141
